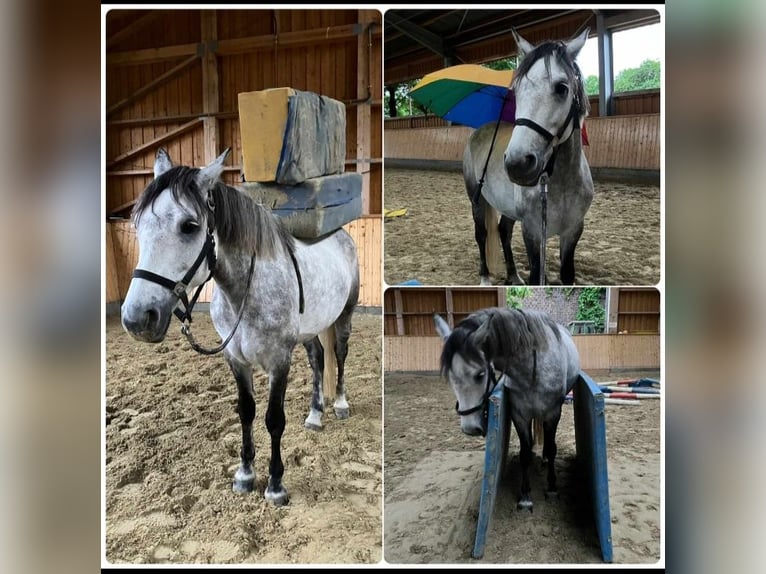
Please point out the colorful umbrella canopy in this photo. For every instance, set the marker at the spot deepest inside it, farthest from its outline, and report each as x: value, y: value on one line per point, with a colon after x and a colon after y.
x: 470, y: 95
x: 467, y: 94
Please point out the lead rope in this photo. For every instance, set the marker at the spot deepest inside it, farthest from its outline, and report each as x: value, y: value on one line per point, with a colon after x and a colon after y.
x: 186, y: 327
x: 477, y: 193
x: 544, y: 213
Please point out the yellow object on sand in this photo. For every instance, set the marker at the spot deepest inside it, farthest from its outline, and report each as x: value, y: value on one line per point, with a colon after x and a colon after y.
x: 391, y: 213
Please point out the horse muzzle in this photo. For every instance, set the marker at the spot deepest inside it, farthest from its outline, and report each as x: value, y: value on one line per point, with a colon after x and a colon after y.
x: 475, y: 424
x: 523, y: 169
x: 148, y: 324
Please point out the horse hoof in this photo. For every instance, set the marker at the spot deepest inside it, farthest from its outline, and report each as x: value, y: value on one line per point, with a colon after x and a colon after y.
x: 551, y: 495
x: 277, y: 497
x: 341, y: 413
x: 515, y: 280
x: 244, y: 482
x: 313, y: 421
x: 485, y: 281
x: 524, y: 504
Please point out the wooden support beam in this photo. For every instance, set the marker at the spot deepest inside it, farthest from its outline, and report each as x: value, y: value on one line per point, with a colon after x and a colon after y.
x: 398, y: 308
x: 151, y: 86
x: 494, y: 251
x: 131, y: 28
x: 329, y: 382
x: 151, y: 55
x: 288, y: 39
x: 537, y: 434
x: 238, y: 45
x: 136, y: 122
x: 210, y: 81
x: 155, y: 142
x: 363, y: 110
x: 502, y: 297
x: 450, y: 308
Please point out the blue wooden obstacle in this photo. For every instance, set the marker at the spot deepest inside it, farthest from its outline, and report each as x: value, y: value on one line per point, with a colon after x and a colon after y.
x: 590, y: 440
x: 495, y: 454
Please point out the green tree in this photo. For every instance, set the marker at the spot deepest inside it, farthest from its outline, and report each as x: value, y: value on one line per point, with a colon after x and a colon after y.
x: 591, y: 85
x: 515, y: 296
x: 504, y: 64
x: 591, y: 308
x: 405, y: 106
x: 645, y: 77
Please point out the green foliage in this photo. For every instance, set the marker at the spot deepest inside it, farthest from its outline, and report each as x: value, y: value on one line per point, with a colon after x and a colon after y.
x: 504, y: 64
x: 515, y: 296
x: 590, y: 308
x: 645, y: 77
x: 591, y: 85
x: 405, y: 106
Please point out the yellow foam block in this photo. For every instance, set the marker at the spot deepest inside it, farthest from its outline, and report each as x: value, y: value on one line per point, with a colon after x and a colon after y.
x: 262, y: 122
x: 289, y: 136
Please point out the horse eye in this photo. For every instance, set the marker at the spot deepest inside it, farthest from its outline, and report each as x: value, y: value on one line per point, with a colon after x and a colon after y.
x: 480, y: 375
x: 562, y: 89
x: 189, y: 226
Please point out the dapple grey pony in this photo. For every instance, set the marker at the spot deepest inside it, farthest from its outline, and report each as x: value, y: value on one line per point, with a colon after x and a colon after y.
x: 285, y: 292
x: 539, y: 365
x: 551, y: 105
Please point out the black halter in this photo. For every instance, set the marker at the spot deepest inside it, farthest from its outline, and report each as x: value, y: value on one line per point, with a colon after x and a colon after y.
x: 484, y: 404
x: 178, y: 288
x: 550, y: 139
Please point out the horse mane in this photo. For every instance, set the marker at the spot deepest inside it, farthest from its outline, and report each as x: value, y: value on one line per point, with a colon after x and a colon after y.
x: 510, y: 331
x: 557, y: 49
x: 239, y: 220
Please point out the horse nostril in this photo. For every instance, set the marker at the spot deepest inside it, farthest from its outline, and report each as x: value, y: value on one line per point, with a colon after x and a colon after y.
x: 529, y: 161
x: 151, y: 317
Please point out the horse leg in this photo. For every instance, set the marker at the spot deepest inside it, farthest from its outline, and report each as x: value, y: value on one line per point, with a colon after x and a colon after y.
x: 550, y: 424
x: 524, y: 430
x: 276, y: 493
x: 480, y: 234
x: 315, y: 352
x: 342, y: 333
x: 567, y: 245
x: 505, y: 228
x: 532, y: 243
x: 244, y: 478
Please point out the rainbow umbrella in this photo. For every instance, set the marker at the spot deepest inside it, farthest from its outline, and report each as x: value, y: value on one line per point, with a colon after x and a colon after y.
x: 467, y: 94
x: 470, y: 95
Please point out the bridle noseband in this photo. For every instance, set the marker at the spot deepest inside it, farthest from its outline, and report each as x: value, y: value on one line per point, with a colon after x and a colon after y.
x: 550, y: 139
x: 484, y: 403
x: 178, y: 288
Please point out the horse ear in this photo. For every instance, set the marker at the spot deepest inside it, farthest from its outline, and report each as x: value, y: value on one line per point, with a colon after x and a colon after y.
x: 162, y: 162
x: 524, y: 46
x: 480, y: 335
x: 210, y: 174
x: 575, y: 44
x: 442, y: 327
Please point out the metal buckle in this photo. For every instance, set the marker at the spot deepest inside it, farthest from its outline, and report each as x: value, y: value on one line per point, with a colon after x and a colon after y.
x: 179, y: 289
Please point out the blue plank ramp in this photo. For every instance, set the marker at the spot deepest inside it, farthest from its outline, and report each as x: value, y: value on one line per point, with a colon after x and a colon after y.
x: 495, y: 453
x: 590, y: 439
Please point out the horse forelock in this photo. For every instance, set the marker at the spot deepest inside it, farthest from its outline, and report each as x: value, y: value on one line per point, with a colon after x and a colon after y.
x: 556, y: 49
x: 459, y: 342
x: 182, y: 183
x: 239, y: 221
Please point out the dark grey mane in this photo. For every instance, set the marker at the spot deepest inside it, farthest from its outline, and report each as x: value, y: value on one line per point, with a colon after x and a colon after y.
x: 509, y: 332
x: 239, y: 221
x: 558, y: 50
